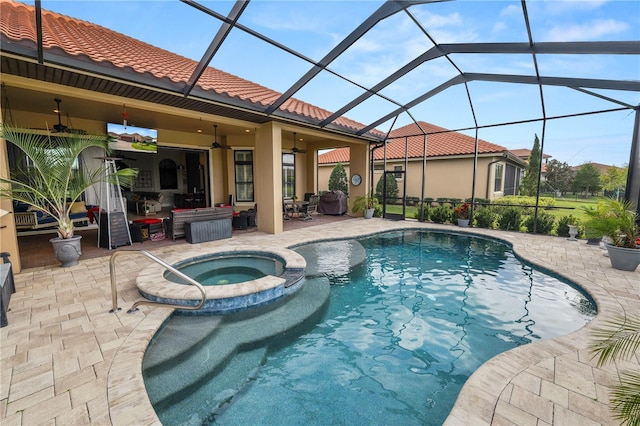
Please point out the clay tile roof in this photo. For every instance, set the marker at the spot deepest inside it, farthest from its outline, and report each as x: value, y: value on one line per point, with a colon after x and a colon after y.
x: 104, y: 46
x: 440, y: 143
x: 338, y: 155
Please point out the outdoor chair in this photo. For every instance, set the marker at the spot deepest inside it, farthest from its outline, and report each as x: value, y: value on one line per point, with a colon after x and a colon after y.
x: 287, y: 209
x: 307, y: 210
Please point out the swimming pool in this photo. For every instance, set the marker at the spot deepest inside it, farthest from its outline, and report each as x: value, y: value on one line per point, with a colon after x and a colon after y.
x: 410, y: 316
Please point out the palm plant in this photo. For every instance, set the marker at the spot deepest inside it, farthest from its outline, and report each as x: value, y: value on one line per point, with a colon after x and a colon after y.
x: 51, y: 182
x: 616, y: 220
x: 619, y: 339
x: 365, y: 202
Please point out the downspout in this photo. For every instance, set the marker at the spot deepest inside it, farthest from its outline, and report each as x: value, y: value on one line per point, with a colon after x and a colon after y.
x: 371, y: 160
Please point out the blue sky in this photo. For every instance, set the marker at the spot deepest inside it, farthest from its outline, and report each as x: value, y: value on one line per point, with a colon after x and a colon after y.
x: 313, y: 28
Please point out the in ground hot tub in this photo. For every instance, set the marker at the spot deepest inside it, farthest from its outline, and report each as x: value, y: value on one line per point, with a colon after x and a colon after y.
x: 233, y: 280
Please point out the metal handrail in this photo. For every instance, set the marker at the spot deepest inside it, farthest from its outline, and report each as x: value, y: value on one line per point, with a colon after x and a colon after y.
x: 134, y: 307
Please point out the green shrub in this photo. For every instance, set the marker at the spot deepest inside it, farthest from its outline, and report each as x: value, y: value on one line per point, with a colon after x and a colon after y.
x: 441, y: 214
x: 510, y: 219
x: 525, y: 201
x: 427, y: 208
x: 412, y: 201
x: 545, y: 223
x: 484, y: 217
x: 481, y: 201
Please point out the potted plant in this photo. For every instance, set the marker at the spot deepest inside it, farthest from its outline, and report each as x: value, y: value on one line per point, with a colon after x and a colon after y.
x: 51, y: 182
x: 461, y: 213
x: 366, y: 204
x: 617, y: 220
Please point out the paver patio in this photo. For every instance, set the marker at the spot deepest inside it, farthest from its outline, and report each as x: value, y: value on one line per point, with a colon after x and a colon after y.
x: 66, y: 360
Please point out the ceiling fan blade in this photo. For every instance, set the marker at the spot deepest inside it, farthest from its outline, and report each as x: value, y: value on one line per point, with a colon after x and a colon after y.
x: 218, y: 145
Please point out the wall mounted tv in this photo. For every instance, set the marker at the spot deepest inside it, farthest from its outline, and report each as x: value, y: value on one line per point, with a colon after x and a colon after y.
x: 131, y: 138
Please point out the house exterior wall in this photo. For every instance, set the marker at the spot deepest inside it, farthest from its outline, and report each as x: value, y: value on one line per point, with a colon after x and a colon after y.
x: 450, y: 177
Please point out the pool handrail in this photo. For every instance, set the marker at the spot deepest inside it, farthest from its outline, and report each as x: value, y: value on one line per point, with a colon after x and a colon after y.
x: 134, y: 307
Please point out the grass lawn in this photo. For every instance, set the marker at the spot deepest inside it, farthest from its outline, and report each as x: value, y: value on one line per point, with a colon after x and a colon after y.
x: 571, y: 206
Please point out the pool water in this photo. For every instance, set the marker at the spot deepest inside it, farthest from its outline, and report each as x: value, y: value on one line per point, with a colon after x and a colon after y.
x: 227, y: 269
x: 400, y: 335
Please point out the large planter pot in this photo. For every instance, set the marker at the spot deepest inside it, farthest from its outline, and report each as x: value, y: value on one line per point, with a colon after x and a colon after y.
x: 573, y: 231
x: 368, y: 213
x: 463, y: 222
x: 68, y: 250
x: 625, y: 259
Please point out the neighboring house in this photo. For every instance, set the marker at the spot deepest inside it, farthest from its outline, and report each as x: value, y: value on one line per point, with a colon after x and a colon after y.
x: 524, y: 154
x: 602, y: 168
x: 449, y: 165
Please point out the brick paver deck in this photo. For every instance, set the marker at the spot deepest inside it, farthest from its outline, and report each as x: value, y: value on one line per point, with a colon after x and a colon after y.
x: 66, y: 360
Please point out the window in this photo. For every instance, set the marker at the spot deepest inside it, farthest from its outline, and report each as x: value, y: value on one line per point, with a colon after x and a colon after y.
x: 497, y: 182
x: 168, y: 174
x: 398, y: 172
x: 243, y: 165
x: 288, y: 175
x: 378, y: 167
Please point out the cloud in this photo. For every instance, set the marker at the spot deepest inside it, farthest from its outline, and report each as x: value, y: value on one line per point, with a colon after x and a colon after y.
x: 593, y: 30
x: 511, y: 10
x: 562, y: 7
x: 499, y: 27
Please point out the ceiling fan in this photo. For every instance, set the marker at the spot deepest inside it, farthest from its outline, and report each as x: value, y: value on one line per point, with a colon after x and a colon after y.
x: 59, y: 127
x: 215, y: 143
x: 295, y: 149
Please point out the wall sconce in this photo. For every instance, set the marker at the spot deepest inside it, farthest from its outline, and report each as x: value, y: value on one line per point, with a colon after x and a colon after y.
x: 181, y: 167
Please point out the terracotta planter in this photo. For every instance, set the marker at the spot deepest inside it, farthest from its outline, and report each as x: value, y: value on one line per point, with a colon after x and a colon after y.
x: 624, y: 259
x: 68, y: 250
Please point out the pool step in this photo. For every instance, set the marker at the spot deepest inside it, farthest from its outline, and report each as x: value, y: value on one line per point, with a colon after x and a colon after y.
x: 184, y: 334
x: 169, y: 379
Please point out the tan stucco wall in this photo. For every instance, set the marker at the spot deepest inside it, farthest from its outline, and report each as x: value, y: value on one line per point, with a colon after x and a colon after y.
x: 446, y: 177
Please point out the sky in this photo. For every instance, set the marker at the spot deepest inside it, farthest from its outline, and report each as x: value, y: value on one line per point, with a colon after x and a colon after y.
x: 313, y: 28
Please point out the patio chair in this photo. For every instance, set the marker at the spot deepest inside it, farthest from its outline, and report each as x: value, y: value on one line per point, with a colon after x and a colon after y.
x: 307, y: 210
x: 287, y: 209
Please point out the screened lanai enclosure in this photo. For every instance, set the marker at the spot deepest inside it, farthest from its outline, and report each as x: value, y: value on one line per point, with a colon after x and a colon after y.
x: 501, y: 71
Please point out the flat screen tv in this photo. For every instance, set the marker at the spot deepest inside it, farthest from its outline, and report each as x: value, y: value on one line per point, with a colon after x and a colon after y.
x: 131, y: 138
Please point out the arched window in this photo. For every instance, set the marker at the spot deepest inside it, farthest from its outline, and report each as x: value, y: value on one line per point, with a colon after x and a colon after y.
x: 168, y: 174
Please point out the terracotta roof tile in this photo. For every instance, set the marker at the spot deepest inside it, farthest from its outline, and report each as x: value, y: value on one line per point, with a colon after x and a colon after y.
x: 100, y: 44
x: 440, y: 144
x: 338, y: 155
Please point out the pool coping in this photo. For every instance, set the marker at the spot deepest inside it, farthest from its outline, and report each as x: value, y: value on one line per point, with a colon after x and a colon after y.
x: 152, y: 281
